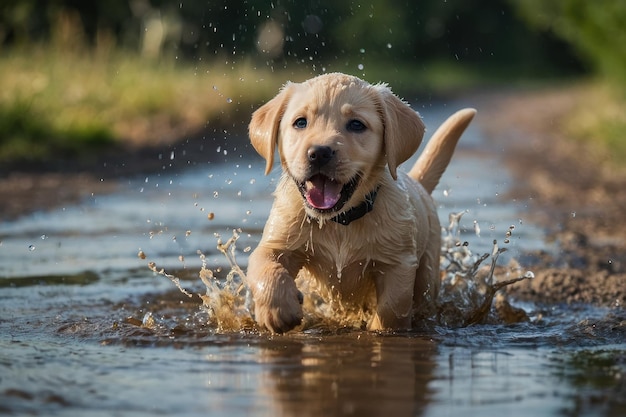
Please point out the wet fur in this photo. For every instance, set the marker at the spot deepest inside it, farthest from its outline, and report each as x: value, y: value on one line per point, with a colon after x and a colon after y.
x: 391, y: 255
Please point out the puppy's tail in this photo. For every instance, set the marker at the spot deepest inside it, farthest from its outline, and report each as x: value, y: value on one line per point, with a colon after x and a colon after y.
x: 437, y: 154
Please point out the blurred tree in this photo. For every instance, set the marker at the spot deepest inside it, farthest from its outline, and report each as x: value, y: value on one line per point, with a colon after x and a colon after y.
x: 21, y: 21
x: 481, y: 33
x: 596, y: 29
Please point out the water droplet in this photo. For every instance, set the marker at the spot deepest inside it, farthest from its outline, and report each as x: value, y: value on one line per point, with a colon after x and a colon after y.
x: 215, y: 194
x: 247, y: 249
x: 229, y: 100
x: 31, y: 248
x: 181, y: 258
x: 187, y: 233
x: 210, y: 216
x: 141, y: 255
x: 529, y: 274
x: 44, y: 237
x: 248, y: 212
x: 573, y: 214
x: 360, y: 67
x: 172, y: 156
x: 148, y: 321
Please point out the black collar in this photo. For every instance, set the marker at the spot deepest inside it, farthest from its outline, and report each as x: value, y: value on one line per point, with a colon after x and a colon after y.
x: 357, y: 212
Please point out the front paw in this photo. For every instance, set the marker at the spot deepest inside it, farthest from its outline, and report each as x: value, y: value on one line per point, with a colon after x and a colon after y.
x: 278, y: 307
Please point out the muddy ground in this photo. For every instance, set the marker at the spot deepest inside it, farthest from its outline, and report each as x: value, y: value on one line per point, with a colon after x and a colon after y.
x: 578, y: 197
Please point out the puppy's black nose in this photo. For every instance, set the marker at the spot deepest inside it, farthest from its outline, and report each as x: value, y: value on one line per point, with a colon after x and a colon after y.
x: 320, y: 155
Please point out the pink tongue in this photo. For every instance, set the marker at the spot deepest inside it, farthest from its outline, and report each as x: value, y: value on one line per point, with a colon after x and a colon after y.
x: 322, y: 192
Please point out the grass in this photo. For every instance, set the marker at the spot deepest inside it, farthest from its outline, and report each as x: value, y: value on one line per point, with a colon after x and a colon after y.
x: 30, y: 132
x: 66, y: 101
x: 55, y: 102
x: 599, y: 119
x: 59, y: 101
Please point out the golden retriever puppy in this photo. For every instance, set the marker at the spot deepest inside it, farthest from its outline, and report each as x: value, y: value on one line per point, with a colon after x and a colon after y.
x: 343, y: 216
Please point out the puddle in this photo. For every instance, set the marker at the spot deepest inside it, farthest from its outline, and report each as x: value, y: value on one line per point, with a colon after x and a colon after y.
x: 87, y: 329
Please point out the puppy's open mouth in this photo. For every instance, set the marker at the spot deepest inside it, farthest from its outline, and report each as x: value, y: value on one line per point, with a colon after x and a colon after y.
x: 325, y: 194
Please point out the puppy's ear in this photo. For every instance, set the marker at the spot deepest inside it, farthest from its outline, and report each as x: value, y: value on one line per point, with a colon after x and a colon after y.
x: 404, y: 129
x: 263, y: 128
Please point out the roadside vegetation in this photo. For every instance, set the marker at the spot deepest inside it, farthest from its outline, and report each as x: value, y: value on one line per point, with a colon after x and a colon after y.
x: 77, y: 77
x: 597, y: 34
x: 599, y: 119
x: 54, y: 101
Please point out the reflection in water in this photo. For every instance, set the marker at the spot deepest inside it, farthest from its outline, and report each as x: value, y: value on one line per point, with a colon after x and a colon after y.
x: 352, y: 374
x: 78, y: 366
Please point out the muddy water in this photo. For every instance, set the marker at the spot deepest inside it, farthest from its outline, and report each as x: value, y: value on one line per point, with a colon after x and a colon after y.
x: 87, y: 329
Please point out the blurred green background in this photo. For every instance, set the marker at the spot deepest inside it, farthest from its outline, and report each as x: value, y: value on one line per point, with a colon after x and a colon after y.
x: 76, y: 75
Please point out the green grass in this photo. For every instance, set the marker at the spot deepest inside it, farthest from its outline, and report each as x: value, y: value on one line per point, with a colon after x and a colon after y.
x: 59, y: 101
x: 599, y: 120
x: 28, y: 133
x: 55, y: 102
x: 66, y: 102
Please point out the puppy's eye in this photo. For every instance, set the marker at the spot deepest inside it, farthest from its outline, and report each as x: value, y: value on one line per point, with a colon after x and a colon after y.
x: 300, y: 123
x: 355, y: 126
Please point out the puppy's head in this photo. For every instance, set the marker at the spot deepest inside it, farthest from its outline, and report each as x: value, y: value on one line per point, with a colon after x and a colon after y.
x: 335, y: 133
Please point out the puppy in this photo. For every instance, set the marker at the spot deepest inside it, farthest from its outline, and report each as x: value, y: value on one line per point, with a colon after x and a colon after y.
x: 343, y: 216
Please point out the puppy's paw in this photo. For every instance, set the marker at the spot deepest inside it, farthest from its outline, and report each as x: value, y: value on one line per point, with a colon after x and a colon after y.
x: 279, y: 309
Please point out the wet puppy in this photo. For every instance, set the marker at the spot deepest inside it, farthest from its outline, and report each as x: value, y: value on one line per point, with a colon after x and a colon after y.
x: 343, y: 216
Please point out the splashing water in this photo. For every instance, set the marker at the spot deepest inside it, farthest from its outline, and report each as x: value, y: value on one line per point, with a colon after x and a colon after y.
x: 227, y: 302
x: 468, y: 289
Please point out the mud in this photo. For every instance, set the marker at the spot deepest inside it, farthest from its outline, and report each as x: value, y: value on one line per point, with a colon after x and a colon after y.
x: 572, y: 190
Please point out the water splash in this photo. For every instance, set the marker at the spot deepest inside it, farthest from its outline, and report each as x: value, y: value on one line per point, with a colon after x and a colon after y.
x: 468, y: 289
x: 228, y: 302
x: 173, y: 278
x: 469, y: 285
